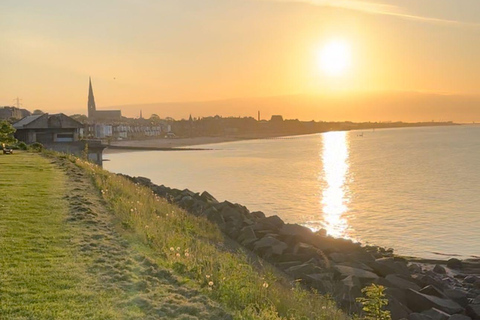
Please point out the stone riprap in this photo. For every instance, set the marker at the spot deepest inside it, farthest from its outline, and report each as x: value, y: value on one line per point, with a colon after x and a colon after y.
x: 416, y: 289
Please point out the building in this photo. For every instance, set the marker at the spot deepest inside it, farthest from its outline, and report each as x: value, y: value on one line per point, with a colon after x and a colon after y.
x: 60, y: 133
x: 94, y: 114
x: 7, y: 113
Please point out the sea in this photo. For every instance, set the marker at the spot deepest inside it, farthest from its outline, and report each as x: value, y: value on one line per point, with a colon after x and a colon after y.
x: 416, y: 190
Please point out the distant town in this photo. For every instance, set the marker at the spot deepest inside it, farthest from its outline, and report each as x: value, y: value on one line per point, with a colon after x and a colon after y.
x: 101, y: 128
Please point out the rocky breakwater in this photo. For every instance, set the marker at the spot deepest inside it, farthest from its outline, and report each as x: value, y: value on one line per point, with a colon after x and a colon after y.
x: 416, y: 289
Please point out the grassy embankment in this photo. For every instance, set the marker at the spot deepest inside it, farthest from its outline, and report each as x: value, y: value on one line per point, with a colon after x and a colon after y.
x: 43, y: 276
x: 193, y: 248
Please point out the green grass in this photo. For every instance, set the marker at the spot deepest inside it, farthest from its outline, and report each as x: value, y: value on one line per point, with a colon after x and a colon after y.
x: 194, y: 248
x: 45, y: 273
x: 41, y: 277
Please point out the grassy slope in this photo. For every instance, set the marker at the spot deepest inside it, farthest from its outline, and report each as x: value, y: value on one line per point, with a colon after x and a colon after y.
x: 60, y: 258
x: 63, y: 255
x: 40, y: 275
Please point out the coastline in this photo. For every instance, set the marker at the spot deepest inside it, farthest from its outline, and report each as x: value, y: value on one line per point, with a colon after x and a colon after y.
x: 181, y: 144
x: 415, y: 287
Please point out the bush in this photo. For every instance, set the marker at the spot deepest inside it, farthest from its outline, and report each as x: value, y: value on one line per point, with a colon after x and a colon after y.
x: 22, y: 146
x: 373, y: 303
x: 36, y: 146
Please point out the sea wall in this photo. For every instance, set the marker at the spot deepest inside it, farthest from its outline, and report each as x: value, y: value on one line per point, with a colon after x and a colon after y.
x: 416, y: 289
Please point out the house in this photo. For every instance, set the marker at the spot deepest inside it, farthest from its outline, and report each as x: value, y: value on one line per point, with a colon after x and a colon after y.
x: 60, y: 133
x: 47, y: 128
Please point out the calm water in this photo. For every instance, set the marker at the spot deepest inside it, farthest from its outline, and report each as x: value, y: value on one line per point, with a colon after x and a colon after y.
x: 416, y: 190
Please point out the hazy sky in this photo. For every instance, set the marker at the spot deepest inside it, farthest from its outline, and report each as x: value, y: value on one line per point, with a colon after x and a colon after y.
x: 146, y: 51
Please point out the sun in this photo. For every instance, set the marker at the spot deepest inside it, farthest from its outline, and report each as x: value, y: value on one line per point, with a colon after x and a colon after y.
x: 335, y: 58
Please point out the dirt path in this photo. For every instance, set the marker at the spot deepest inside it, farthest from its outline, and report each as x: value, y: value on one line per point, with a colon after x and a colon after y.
x: 138, y: 279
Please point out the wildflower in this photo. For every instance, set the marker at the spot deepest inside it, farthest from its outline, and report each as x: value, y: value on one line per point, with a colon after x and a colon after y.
x: 131, y: 210
x: 265, y: 285
x: 187, y: 254
x: 210, y: 283
x: 146, y: 226
x: 178, y: 248
x: 172, y: 249
x: 177, y: 254
x: 207, y: 276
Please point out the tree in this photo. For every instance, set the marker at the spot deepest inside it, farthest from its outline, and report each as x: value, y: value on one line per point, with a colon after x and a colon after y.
x: 37, y: 112
x: 6, y: 133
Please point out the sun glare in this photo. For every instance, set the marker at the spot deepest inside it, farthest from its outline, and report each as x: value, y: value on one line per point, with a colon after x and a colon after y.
x: 335, y: 58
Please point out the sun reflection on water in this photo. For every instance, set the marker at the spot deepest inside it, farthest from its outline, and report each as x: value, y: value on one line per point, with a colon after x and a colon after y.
x: 335, y: 198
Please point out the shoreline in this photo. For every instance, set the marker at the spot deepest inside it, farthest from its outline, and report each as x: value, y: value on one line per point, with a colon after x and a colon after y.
x: 182, y: 144
x: 340, y: 267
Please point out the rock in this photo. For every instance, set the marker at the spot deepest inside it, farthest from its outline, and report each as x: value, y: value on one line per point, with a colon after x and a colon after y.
x: 207, y: 197
x: 396, y: 294
x: 214, y: 216
x: 303, y: 270
x: 247, y: 236
x: 258, y: 215
x: 320, y: 276
x: 383, y: 266
x: 352, y: 281
x: 346, y: 271
x: 401, y: 283
x: 426, y: 280
x: 454, y: 263
x: 418, y: 316
x: 436, y: 314
x: 433, y: 291
x: 473, y: 311
x: 186, y: 202
x: 272, y: 222
x: 439, y: 269
x: 457, y: 295
x: 397, y: 309
x: 470, y: 279
x: 415, y: 268
x: 338, y: 257
x: 275, y: 246
x: 459, y: 317
x: 419, y: 302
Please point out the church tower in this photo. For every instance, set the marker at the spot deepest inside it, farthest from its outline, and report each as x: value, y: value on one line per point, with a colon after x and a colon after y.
x: 91, y: 101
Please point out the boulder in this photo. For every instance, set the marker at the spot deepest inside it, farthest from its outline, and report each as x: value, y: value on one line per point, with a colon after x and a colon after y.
x: 399, y: 282
x: 397, y: 309
x: 433, y: 291
x: 419, y: 302
x: 436, y: 314
x: 439, y: 269
x: 271, y: 245
x: 346, y: 271
x: 457, y: 295
x: 418, y: 316
x: 454, y: 263
x: 207, y: 197
x: 303, y: 270
x: 383, y: 266
x: 247, y: 236
x: 459, y: 317
x: 470, y: 279
x: 473, y: 311
x: 258, y: 215
x: 272, y: 222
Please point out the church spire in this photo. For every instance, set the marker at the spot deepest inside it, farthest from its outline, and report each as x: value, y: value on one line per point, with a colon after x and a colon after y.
x: 91, y: 101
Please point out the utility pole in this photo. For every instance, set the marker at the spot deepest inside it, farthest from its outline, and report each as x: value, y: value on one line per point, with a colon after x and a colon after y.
x: 17, y: 102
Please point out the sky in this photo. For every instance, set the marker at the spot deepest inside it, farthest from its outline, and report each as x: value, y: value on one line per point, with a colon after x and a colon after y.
x: 164, y: 52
